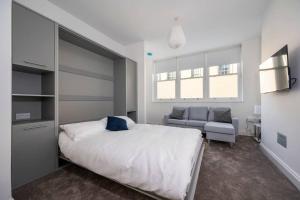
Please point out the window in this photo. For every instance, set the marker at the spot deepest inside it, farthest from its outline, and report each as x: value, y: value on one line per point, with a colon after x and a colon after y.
x: 223, y: 81
x: 191, y: 73
x: 224, y: 78
x: 165, y: 79
x: 206, y: 76
x: 191, y: 83
x: 166, y: 85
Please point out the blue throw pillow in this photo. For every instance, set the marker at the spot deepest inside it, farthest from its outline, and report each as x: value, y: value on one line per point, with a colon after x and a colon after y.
x: 116, y: 124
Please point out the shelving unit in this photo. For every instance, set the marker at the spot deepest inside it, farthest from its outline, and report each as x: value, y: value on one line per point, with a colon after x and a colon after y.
x: 59, y: 77
x: 37, y: 108
x: 34, y: 145
x: 33, y: 95
x: 27, y: 81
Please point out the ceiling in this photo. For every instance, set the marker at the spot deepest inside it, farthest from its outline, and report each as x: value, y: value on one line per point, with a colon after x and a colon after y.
x: 130, y: 21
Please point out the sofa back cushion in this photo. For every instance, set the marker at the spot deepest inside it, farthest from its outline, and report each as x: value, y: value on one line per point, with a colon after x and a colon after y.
x: 222, y: 116
x: 198, y: 113
x: 179, y: 113
x: 211, y: 116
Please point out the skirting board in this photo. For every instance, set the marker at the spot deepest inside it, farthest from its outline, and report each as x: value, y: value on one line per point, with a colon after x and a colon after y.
x: 293, y: 176
x: 245, y: 134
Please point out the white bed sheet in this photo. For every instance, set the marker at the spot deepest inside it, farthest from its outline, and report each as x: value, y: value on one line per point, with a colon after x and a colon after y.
x: 153, y: 158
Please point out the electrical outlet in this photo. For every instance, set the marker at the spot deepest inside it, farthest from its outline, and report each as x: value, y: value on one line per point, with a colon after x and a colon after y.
x: 281, y: 139
x: 22, y: 116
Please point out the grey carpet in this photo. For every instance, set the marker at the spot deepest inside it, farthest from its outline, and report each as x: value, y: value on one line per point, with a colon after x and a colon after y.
x: 238, y: 173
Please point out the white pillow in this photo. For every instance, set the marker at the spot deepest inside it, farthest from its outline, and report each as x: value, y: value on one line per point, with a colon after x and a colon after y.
x: 77, y: 131
x: 130, y: 122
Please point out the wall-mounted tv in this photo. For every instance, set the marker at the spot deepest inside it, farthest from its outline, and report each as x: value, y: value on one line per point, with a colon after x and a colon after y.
x: 275, y: 72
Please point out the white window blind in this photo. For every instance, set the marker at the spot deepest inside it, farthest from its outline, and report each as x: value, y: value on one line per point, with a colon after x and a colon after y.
x: 165, y: 78
x: 201, y: 76
x: 191, y: 69
x: 224, y: 56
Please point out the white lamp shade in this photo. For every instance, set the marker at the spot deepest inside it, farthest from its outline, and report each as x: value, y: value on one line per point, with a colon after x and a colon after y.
x: 257, y: 109
x: 177, y: 37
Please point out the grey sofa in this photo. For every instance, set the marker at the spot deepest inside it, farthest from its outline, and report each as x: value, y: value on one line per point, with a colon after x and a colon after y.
x: 202, y: 118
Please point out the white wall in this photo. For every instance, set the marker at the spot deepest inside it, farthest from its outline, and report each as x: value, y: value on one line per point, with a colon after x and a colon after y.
x: 251, y: 61
x: 281, y: 110
x: 5, y: 100
x: 161, y: 49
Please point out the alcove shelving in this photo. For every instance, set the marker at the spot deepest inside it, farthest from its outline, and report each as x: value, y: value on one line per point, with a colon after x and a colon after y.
x: 32, y: 95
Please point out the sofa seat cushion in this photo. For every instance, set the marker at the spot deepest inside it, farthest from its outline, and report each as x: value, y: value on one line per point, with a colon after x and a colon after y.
x: 177, y: 121
x: 195, y: 123
x: 218, y: 127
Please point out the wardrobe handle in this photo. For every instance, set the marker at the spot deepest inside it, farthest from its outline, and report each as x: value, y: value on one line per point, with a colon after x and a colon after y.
x: 33, y: 63
x: 35, y: 127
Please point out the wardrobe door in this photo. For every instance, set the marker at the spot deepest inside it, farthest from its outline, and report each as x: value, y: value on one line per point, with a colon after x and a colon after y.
x: 34, y: 151
x: 33, y: 39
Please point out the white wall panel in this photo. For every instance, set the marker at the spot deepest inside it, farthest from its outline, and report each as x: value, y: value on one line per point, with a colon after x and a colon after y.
x: 5, y: 100
x: 281, y: 110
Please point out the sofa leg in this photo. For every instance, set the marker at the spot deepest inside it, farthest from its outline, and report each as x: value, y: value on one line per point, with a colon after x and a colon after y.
x: 208, y: 141
x: 231, y: 144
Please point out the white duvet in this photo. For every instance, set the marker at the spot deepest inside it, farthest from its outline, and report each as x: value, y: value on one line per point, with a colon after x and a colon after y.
x: 153, y: 158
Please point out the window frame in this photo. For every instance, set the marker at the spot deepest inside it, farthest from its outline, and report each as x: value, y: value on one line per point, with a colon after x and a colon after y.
x: 206, y: 98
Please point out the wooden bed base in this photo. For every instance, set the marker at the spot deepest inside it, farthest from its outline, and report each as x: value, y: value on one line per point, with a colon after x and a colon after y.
x: 191, y: 189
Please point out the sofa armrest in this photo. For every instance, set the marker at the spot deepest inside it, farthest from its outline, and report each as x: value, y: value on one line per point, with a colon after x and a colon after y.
x: 235, y: 123
x: 166, y: 117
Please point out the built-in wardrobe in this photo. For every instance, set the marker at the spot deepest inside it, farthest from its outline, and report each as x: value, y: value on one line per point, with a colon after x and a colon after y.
x: 60, y: 77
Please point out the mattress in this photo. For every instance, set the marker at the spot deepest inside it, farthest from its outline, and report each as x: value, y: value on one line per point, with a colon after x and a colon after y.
x: 154, y: 158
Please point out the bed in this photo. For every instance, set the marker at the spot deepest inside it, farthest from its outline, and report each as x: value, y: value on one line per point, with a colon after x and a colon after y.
x: 159, y: 161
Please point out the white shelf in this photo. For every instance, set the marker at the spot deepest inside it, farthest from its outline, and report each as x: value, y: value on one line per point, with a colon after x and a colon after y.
x: 29, y: 121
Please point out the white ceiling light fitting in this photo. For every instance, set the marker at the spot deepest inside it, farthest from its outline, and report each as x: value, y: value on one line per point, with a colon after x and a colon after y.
x: 177, y: 37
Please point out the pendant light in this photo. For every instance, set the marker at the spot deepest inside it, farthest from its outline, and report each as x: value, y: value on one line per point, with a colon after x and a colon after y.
x: 177, y: 37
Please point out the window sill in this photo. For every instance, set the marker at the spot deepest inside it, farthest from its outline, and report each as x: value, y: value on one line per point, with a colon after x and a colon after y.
x: 236, y: 100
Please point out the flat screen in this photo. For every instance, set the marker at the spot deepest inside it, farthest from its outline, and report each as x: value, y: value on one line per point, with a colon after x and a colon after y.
x: 275, y: 72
